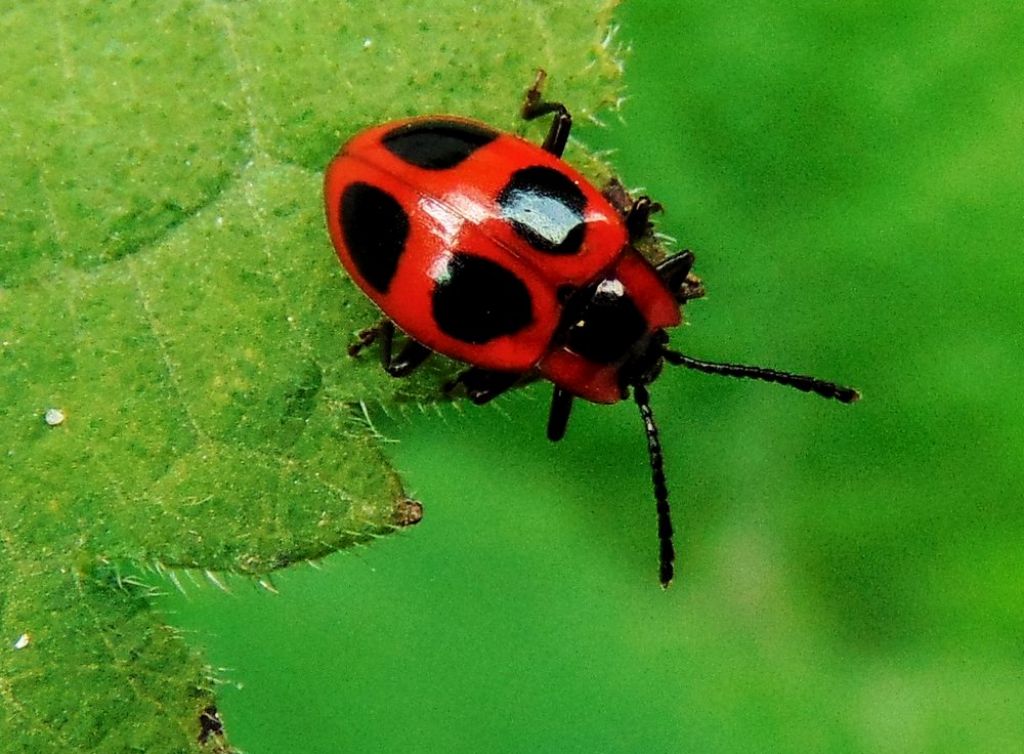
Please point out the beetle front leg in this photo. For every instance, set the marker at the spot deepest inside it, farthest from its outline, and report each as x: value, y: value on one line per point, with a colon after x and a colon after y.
x: 534, y: 107
x: 558, y: 417
x: 675, y: 272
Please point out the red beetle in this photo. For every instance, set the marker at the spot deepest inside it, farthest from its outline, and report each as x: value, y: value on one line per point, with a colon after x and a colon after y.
x: 493, y: 251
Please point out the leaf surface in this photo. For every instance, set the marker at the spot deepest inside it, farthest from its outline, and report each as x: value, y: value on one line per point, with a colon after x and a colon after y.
x: 167, y: 286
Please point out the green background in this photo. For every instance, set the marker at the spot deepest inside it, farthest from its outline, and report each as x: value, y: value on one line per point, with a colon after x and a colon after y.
x: 850, y: 577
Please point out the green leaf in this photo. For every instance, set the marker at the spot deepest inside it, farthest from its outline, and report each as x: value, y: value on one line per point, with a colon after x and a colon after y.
x: 167, y: 288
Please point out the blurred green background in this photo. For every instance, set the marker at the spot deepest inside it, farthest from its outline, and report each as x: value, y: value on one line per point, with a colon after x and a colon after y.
x: 850, y: 178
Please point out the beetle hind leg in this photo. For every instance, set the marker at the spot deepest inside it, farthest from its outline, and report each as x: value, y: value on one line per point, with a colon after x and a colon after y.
x: 534, y: 107
x: 404, y: 363
x: 365, y: 338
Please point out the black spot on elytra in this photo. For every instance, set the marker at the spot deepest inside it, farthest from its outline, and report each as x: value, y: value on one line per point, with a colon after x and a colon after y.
x: 545, y: 208
x: 603, y: 324
x: 437, y: 144
x: 477, y: 300
x: 375, y: 228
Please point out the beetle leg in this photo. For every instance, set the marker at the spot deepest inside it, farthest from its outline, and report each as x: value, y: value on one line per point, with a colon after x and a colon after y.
x: 558, y: 419
x: 386, y: 334
x: 411, y: 356
x: 638, y: 217
x: 364, y: 338
x: 484, y: 385
x: 676, y: 273
x: 636, y: 213
x: 534, y: 107
x: 673, y: 271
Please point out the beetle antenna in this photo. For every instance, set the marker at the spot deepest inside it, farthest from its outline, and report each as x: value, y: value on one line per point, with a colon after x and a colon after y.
x: 801, y: 382
x: 667, y: 553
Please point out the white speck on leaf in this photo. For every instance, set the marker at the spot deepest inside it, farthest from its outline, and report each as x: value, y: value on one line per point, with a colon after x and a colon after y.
x: 53, y: 416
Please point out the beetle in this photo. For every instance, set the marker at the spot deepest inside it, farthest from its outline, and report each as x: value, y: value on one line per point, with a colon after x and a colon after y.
x: 493, y: 251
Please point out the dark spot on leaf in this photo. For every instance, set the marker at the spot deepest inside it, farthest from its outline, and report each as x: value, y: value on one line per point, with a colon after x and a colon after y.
x: 209, y: 724
x: 408, y: 512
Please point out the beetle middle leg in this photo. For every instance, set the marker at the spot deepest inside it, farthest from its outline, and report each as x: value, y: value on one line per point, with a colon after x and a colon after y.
x: 484, y: 385
x: 636, y: 213
x: 638, y: 217
x: 534, y: 107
